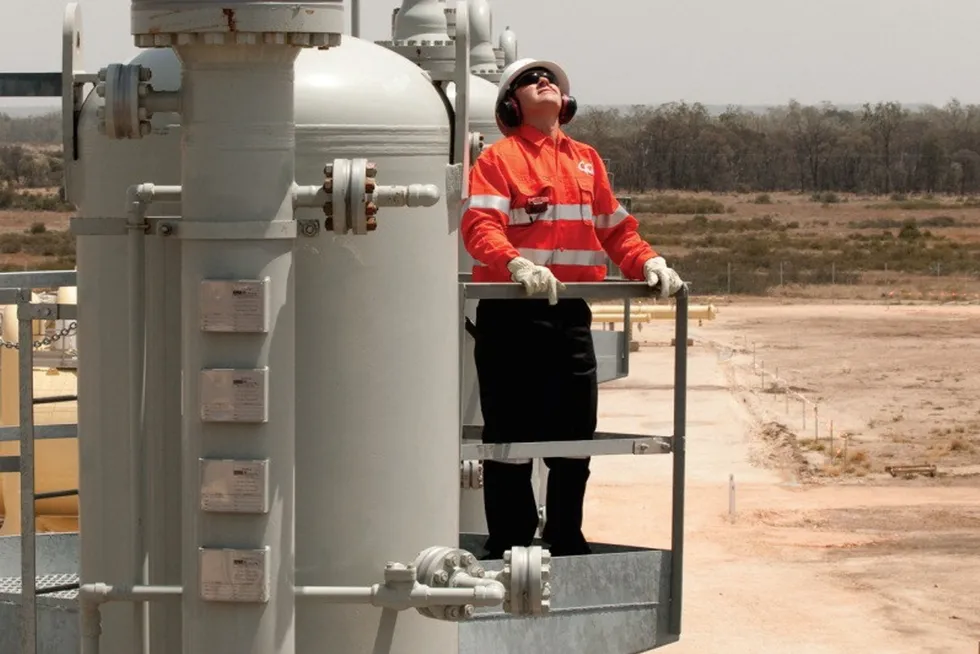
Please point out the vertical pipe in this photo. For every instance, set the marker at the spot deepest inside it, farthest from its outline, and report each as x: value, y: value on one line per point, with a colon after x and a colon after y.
x: 237, y: 173
x: 680, y: 443
x: 137, y: 326
x: 355, y: 18
x: 161, y: 421
x: 28, y: 553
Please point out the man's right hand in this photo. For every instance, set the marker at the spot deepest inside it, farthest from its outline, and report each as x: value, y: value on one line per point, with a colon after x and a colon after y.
x: 534, y: 278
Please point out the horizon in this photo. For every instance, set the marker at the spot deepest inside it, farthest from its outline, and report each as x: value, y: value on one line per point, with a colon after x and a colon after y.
x: 20, y: 110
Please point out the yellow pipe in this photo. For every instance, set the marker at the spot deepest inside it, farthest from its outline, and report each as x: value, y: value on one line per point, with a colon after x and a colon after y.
x: 647, y: 313
x: 56, y: 460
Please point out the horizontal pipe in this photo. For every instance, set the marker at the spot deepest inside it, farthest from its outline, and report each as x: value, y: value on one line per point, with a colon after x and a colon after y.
x: 310, y: 196
x: 162, y: 102
x: 487, y: 593
x: 413, y: 195
x: 102, y: 593
x: 393, y: 597
x: 146, y: 194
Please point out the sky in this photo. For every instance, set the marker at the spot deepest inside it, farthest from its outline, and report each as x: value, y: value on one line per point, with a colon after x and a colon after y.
x: 621, y: 52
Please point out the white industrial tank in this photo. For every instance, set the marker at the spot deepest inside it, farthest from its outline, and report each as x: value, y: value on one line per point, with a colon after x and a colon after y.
x: 377, y: 376
x: 483, y: 100
x: 105, y: 170
x: 377, y: 356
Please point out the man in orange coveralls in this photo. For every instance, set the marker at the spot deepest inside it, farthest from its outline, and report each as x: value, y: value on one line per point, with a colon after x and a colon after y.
x: 541, y: 212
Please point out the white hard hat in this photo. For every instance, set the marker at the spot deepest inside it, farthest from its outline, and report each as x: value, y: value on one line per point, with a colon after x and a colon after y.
x: 519, y: 67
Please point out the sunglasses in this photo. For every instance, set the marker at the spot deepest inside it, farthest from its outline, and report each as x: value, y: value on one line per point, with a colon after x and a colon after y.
x: 532, y: 77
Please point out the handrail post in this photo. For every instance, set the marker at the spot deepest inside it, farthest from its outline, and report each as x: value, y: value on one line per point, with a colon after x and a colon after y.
x: 678, y: 482
x: 28, y: 552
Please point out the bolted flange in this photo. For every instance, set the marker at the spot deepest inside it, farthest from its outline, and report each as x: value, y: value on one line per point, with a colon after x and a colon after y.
x: 124, y: 87
x: 442, y: 567
x: 471, y: 474
x: 526, y: 576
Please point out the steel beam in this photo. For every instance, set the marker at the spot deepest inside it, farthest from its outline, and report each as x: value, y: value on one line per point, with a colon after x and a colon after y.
x: 30, y: 85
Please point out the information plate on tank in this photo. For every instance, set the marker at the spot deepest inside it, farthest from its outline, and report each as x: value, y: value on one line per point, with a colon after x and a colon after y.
x: 234, y: 305
x: 234, y: 486
x: 234, y: 395
x: 229, y: 575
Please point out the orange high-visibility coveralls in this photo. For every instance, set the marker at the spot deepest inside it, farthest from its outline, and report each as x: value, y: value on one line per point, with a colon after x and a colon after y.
x: 547, y: 349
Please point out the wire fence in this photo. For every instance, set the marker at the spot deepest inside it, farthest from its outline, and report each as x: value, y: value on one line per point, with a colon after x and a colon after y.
x: 709, y: 276
x: 812, y: 423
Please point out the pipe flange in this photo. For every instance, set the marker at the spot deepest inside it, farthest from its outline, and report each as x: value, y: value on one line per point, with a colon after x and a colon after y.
x: 358, y: 196
x: 471, y: 475
x: 338, y: 185
x: 438, y: 567
x: 477, y: 144
x: 123, y: 86
x: 526, y: 576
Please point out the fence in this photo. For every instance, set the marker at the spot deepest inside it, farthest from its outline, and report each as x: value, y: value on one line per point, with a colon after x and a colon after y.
x: 711, y: 275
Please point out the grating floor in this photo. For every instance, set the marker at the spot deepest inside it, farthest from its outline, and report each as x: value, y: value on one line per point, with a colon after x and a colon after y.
x: 11, y: 585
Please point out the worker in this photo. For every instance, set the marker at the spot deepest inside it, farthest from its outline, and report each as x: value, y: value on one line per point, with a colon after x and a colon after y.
x: 541, y: 212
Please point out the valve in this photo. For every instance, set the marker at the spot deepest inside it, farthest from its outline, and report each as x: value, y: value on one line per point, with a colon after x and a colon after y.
x: 124, y: 87
x: 355, y: 196
x: 448, y: 567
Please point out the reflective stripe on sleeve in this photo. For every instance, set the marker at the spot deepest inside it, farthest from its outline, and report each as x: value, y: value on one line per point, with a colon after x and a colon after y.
x: 563, y: 257
x: 610, y: 220
x: 554, y: 212
x: 497, y: 202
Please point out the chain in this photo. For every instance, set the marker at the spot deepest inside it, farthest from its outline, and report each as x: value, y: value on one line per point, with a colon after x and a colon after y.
x: 47, y: 340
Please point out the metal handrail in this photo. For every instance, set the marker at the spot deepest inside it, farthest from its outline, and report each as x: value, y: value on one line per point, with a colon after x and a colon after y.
x: 616, y: 290
x: 16, y: 288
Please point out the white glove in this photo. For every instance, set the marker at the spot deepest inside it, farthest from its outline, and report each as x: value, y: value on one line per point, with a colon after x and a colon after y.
x: 656, y: 272
x: 534, y: 278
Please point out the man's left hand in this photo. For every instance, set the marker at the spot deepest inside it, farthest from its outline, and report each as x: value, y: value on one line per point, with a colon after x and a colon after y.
x: 656, y: 272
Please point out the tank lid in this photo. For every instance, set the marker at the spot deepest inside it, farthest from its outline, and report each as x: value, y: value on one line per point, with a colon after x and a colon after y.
x: 420, y: 34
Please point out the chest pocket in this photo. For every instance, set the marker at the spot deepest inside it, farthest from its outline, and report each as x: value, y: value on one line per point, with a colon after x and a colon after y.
x: 586, y: 193
x: 523, y: 191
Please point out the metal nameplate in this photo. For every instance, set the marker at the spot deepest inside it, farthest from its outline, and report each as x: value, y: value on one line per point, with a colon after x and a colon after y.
x: 233, y: 575
x: 237, y: 305
x: 234, y: 486
x: 234, y: 395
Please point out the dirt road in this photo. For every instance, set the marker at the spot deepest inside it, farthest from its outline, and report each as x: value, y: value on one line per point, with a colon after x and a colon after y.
x: 804, y: 568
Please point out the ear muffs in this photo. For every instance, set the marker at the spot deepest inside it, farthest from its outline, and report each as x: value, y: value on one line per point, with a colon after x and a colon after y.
x: 509, y: 111
x: 569, y: 106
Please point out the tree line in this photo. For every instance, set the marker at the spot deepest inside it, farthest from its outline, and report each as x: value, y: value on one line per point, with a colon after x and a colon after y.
x: 881, y: 148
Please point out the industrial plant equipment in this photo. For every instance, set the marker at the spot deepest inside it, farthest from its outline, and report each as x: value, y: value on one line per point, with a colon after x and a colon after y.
x: 269, y: 309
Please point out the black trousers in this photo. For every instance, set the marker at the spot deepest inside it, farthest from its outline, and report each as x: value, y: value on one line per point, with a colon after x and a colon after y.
x: 536, y: 366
